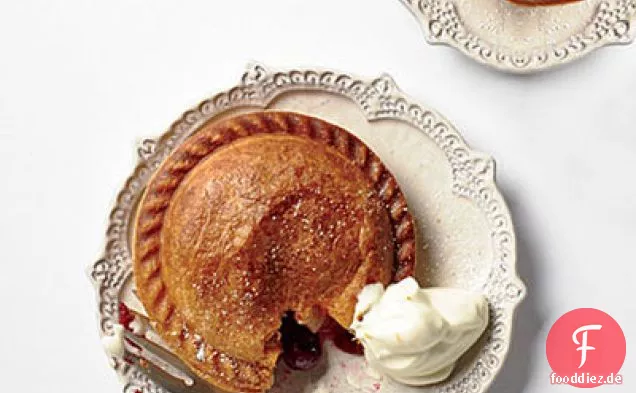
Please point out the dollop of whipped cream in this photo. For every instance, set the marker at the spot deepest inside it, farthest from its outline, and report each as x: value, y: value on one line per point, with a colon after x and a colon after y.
x: 114, y: 344
x: 415, y: 335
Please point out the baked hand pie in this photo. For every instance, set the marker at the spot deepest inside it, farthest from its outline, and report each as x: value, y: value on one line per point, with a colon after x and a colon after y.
x: 256, y: 216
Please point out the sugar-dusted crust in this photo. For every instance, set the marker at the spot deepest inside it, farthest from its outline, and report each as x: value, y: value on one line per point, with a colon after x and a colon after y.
x: 257, y: 215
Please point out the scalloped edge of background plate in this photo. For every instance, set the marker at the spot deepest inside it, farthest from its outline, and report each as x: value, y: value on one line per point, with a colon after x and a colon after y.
x: 442, y: 25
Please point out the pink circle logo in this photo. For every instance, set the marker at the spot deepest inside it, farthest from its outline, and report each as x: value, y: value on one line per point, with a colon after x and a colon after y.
x: 586, y: 348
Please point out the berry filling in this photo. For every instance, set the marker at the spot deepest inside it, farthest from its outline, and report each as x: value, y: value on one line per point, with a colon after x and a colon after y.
x: 302, y: 348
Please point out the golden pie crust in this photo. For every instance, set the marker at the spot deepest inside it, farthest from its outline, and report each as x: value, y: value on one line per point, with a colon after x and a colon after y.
x: 254, y: 216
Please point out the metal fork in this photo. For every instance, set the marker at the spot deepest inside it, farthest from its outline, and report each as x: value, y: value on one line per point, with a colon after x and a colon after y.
x: 154, y: 358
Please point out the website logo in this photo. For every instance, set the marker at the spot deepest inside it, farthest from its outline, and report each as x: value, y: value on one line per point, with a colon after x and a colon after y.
x: 586, y: 348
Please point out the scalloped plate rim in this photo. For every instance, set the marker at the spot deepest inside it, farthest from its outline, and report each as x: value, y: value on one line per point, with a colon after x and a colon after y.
x: 430, y: 38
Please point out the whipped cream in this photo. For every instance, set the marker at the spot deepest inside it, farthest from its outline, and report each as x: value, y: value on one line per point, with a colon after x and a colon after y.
x: 416, y: 335
x: 114, y: 344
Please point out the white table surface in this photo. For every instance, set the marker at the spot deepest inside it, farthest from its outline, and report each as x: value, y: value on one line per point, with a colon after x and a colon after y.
x: 82, y: 80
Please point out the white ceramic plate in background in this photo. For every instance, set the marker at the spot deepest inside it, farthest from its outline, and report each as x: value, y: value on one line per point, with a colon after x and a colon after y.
x: 466, y: 237
x: 520, y: 39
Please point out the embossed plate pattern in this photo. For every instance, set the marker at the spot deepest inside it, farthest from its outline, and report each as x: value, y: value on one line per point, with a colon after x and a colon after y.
x: 520, y: 39
x: 465, y: 233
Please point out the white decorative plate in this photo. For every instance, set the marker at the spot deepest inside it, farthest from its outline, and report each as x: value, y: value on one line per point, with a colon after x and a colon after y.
x: 519, y: 39
x: 465, y: 231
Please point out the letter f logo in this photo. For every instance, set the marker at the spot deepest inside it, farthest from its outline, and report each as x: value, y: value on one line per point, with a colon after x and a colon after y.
x: 583, y: 344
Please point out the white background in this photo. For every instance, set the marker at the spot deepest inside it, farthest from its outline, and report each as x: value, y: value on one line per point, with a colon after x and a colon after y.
x: 82, y: 81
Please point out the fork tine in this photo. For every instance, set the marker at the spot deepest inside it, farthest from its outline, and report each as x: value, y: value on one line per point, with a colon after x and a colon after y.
x: 154, y: 363
x: 147, y: 347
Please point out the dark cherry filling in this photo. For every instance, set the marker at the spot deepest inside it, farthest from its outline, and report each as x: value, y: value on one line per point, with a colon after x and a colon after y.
x: 302, y: 348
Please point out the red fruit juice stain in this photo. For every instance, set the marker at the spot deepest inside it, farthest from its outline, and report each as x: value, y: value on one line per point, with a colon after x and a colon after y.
x: 125, y: 316
x: 340, y: 336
